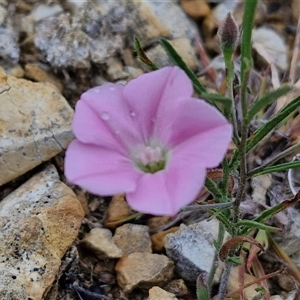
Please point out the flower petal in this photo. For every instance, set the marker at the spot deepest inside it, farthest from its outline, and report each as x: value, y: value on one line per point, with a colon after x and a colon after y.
x: 199, y: 127
x: 100, y: 171
x: 90, y: 129
x: 165, y: 192
x: 209, y: 147
x: 114, y: 123
x: 151, y: 94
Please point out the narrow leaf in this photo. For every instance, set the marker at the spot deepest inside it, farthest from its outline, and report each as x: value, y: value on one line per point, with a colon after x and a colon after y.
x: 260, y: 133
x: 264, y: 101
x: 142, y: 55
x: 217, y: 98
x: 250, y: 224
x: 269, y: 213
x: 177, y: 60
x: 246, y: 43
x: 280, y: 167
x: 202, y: 288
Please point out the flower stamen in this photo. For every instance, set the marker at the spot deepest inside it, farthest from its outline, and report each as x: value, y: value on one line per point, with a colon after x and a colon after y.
x: 151, y: 159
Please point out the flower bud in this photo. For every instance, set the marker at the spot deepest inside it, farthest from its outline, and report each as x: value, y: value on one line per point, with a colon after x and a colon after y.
x: 228, y: 34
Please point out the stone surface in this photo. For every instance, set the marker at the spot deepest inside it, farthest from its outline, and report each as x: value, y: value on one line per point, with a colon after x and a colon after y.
x: 156, y: 293
x: 196, y: 9
x: 182, y: 46
x: 177, y: 287
x: 192, y: 248
x: 156, y: 19
x: 155, y: 222
x: 158, y: 243
x: 9, y: 50
x: 39, y: 221
x: 43, y: 11
x: 143, y: 270
x: 34, y: 125
x: 289, y: 241
x: 271, y: 47
x: 117, y: 211
x: 132, y: 238
x: 234, y: 284
x: 36, y: 73
x: 102, y: 29
x: 99, y: 241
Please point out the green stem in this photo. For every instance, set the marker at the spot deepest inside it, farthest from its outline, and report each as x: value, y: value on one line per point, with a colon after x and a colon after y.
x: 220, y: 238
x: 214, y: 189
x: 225, y: 180
x: 229, y: 78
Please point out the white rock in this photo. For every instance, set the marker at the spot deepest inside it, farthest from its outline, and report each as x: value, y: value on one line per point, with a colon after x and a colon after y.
x: 43, y: 11
x: 271, y: 46
x: 192, y: 248
x: 39, y: 221
x: 34, y: 125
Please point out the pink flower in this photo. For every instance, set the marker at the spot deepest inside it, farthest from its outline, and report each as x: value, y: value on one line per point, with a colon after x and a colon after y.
x: 149, y: 139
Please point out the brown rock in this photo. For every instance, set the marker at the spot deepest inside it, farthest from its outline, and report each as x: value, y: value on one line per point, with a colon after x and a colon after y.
x: 39, y: 221
x: 156, y: 222
x: 117, y: 211
x: 196, y: 9
x: 158, y: 293
x: 143, y: 270
x: 132, y: 238
x: 34, y: 125
x: 157, y: 239
x: 177, y: 287
x: 36, y: 73
x: 99, y: 241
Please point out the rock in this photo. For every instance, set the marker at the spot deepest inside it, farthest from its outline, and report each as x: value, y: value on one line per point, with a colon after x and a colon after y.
x: 196, y: 9
x: 286, y: 282
x: 289, y: 241
x: 94, y: 34
x: 36, y: 73
x: 132, y: 238
x: 42, y: 11
x: 271, y: 48
x: 192, y: 248
x: 234, y: 284
x: 117, y: 211
x: 34, y: 125
x: 260, y: 185
x: 156, y: 293
x: 143, y: 270
x: 177, y: 287
x: 276, y: 297
x: 14, y: 70
x: 39, y: 221
x: 156, y: 222
x: 9, y: 50
x: 223, y: 8
x: 158, y: 244
x: 99, y: 241
x: 182, y: 46
x: 102, y: 30
x: 151, y: 20
x: 115, y: 69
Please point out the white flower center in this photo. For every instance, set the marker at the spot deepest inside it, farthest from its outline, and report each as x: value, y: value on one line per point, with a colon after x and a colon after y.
x: 150, y: 159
